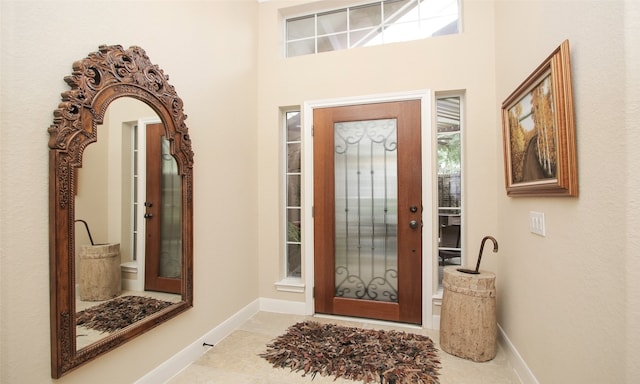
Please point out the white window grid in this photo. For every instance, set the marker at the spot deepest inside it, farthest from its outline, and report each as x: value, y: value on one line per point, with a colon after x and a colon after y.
x: 437, y: 13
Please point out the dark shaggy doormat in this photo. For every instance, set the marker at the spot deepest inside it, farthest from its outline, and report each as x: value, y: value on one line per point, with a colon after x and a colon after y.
x: 354, y: 353
x: 119, y: 313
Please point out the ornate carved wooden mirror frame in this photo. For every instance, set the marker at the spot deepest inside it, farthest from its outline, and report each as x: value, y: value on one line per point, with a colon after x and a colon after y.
x: 96, y: 81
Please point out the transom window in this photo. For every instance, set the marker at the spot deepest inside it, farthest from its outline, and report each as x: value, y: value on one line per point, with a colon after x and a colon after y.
x: 376, y: 23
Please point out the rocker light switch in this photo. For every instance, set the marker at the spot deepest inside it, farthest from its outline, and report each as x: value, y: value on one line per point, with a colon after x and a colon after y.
x: 536, y: 223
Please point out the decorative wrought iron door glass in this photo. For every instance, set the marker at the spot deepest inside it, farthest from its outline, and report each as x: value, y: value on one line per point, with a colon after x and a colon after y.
x: 366, y: 219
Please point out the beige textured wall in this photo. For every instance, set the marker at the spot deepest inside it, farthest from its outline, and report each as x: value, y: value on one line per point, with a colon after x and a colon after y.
x: 563, y: 299
x: 632, y: 245
x: 208, y: 49
x: 569, y: 301
x: 457, y: 62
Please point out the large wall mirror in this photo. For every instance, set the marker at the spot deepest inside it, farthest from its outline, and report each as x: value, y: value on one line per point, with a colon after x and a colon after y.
x: 121, y: 207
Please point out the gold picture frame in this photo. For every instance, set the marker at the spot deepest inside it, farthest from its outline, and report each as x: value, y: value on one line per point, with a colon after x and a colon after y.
x: 538, y: 129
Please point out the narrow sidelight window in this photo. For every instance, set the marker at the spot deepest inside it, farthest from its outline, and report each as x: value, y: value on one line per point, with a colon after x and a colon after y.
x: 293, y: 209
x: 449, y: 156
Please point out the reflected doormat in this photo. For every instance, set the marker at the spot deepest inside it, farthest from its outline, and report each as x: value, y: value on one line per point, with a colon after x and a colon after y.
x: 357, y: 354
x: 119, y: 313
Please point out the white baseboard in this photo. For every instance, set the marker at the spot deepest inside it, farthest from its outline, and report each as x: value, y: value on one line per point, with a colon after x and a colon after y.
x: 129, y: 285
x: 195, y: 350
x: 517, y: 362
x: 436, y: 321
x: 284, y: 306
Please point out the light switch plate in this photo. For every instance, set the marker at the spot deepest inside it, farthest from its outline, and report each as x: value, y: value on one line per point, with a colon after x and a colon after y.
x: 536, y: 223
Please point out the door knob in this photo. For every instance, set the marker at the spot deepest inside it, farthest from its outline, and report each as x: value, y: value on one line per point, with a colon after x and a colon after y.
x: 413, y: 224
x: 148, y: 215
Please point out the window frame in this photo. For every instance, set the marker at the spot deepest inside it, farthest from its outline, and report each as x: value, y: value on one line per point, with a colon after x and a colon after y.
x: 386, y: 23
x: 461, y: 132
x: 289, y: 283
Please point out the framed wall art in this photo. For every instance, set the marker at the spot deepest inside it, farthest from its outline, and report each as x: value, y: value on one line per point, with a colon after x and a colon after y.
x: 539, y: 134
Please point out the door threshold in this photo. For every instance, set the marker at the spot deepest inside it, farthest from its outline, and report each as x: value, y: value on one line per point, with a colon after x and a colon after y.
x: 367, y: 321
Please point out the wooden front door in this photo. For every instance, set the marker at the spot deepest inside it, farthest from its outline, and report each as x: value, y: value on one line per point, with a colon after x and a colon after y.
x: 163, y: 245
x: 368, y: 211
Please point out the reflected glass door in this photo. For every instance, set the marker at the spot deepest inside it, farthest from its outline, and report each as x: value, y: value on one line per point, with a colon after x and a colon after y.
x: 163, y: 243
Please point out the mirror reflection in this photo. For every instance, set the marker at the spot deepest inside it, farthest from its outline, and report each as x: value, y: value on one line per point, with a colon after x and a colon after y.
x: 128, y: 245
x: 121, y: 213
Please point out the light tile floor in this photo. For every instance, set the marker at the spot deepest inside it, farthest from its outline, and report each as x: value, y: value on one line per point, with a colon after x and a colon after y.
x: 235, y: 359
